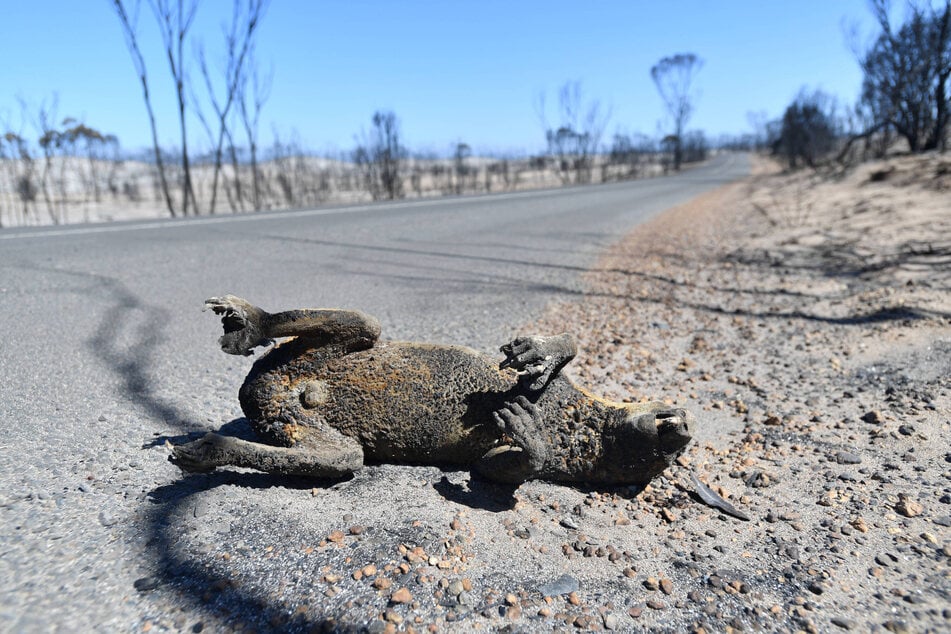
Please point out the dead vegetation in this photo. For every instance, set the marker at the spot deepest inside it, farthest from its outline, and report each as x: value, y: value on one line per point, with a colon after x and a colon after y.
x: 89, y: 187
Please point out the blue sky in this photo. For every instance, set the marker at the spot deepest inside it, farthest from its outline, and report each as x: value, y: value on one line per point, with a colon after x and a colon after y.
x: 451, y: 70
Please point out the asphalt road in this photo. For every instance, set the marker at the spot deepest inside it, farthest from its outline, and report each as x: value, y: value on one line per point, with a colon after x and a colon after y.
x: 105, y: 351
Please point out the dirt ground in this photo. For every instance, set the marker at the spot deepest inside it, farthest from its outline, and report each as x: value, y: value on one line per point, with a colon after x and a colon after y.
x: 806, y: 320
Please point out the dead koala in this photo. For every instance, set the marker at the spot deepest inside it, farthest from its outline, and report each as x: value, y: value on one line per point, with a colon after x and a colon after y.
x: 333, y: 396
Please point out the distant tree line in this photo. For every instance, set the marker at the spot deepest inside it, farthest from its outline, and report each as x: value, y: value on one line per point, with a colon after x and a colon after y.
x: 63, y: 162
x: 906, y: 95
x: 52, y: 166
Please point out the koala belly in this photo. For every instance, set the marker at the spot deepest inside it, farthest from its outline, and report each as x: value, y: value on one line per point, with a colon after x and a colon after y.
x: 403, y: 402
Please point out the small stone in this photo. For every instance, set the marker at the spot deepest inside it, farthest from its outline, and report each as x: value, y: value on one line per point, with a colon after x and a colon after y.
x: 562, y: 585
x: 146, y: 584
x: 845, y: 624
x: 574, y: 599
x: 583, y: 622
x: 791, y: 551
x: 393, y: 616
x: 369, y: 570
x: 651, y: 583
x: 666, y: 586
x: 655, y: 604
x: 610, y: 621
x: 107, y: 518
x: 455, y: 588
x: 569, y: 523
x: 401, y: 596
x: 847, y: 457
x: 874, y: 417
x: 635, y: 613
x: 357, y: 530
x: 382, y: 583
x: 511, y: 599
x: 906, y: 430
x: 908, y: 507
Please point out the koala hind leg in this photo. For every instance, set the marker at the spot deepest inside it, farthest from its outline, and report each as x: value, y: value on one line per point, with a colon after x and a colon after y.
x: 246, y: 326
x: 324, y: 457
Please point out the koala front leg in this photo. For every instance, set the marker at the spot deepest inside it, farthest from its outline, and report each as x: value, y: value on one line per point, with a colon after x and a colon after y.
x: 528, y: 454
x: 538, y: 359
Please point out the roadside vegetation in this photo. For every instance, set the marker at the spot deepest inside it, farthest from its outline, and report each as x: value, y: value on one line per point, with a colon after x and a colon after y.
x: 904, y: 105
x: 57, y: 169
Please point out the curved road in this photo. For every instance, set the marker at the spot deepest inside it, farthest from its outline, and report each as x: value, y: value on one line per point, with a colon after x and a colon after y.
x: 105, y: 352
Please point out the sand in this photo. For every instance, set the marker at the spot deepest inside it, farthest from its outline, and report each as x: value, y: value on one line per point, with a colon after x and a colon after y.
x: 806, y: 320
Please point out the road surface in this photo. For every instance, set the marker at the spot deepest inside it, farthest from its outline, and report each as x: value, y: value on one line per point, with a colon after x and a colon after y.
x: 105, y: 353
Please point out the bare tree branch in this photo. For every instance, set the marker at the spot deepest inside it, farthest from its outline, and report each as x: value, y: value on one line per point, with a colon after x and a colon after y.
x: 250, y: 117
x: 174, y: 24
x: 674, y: 77
x: 239, y: 39
x: 132, y: 43
x: 573, y: 144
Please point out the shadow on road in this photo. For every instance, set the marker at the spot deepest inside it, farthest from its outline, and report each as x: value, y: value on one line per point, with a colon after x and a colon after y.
x: 198, y: 585
x: 132, y: 364
x: 837, y: 263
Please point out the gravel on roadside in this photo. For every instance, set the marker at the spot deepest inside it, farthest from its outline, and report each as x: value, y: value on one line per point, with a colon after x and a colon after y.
x: 806, y: 319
